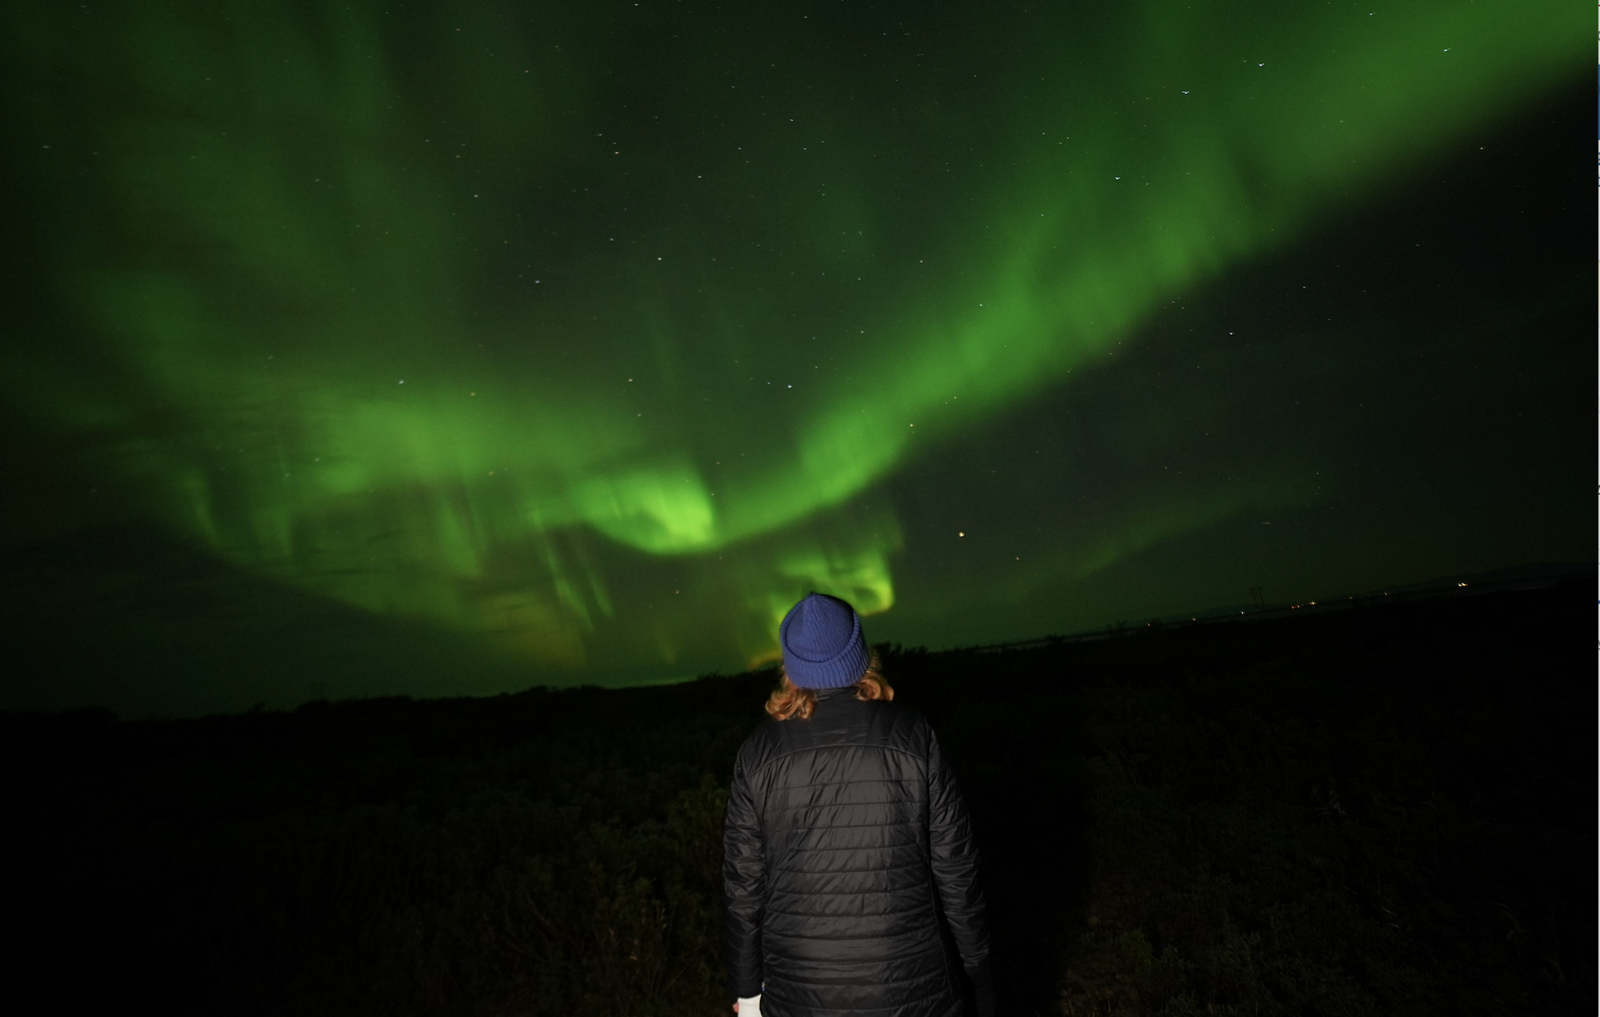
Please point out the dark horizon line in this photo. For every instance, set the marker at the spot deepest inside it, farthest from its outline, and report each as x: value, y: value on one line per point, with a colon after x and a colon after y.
x: 1531, y: 576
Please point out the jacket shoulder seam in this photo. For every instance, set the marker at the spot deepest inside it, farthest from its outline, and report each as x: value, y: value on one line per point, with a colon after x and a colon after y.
x: 899, y: 750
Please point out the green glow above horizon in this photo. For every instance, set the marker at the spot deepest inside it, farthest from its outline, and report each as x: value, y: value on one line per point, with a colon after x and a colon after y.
x: 477, y: 316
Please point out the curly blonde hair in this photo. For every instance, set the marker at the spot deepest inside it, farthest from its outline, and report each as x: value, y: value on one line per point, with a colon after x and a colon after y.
x: 789, y: 700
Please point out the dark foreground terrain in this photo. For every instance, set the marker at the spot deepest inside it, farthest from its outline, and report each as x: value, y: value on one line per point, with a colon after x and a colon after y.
x: 1377, y: 810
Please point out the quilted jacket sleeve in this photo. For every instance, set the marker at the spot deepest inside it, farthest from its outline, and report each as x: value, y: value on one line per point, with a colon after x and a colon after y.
x: 953, y: 855
x: 744, y: 883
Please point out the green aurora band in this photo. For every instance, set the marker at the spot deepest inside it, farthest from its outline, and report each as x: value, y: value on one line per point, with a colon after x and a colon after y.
x: 597, y: 329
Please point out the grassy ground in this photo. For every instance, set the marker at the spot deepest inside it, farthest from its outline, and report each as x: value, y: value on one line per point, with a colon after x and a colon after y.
x: 1359, y: 822
x: 1371, y: 811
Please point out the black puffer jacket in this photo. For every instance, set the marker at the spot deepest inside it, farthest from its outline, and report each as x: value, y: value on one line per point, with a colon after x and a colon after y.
x: 846, y: 836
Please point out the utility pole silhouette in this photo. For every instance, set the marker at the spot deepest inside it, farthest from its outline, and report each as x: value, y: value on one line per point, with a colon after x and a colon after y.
x: 1255, y: 597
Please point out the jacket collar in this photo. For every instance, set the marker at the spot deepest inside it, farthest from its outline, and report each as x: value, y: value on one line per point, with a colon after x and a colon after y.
x: 823, y: 694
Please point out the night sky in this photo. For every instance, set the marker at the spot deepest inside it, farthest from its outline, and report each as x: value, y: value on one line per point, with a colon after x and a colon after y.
x: 364, y: 348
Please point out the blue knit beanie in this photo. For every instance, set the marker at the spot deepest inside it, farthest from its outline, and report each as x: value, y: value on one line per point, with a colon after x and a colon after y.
x: 823, y: 647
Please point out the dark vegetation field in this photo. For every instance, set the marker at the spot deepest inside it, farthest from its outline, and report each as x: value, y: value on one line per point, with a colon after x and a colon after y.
x: 1380, y: 810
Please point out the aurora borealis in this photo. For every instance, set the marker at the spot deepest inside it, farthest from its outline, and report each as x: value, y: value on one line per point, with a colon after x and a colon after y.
x: 592, y: 335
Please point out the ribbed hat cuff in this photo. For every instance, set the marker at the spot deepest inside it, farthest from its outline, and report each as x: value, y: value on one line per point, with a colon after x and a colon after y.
x: 844, y: 668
